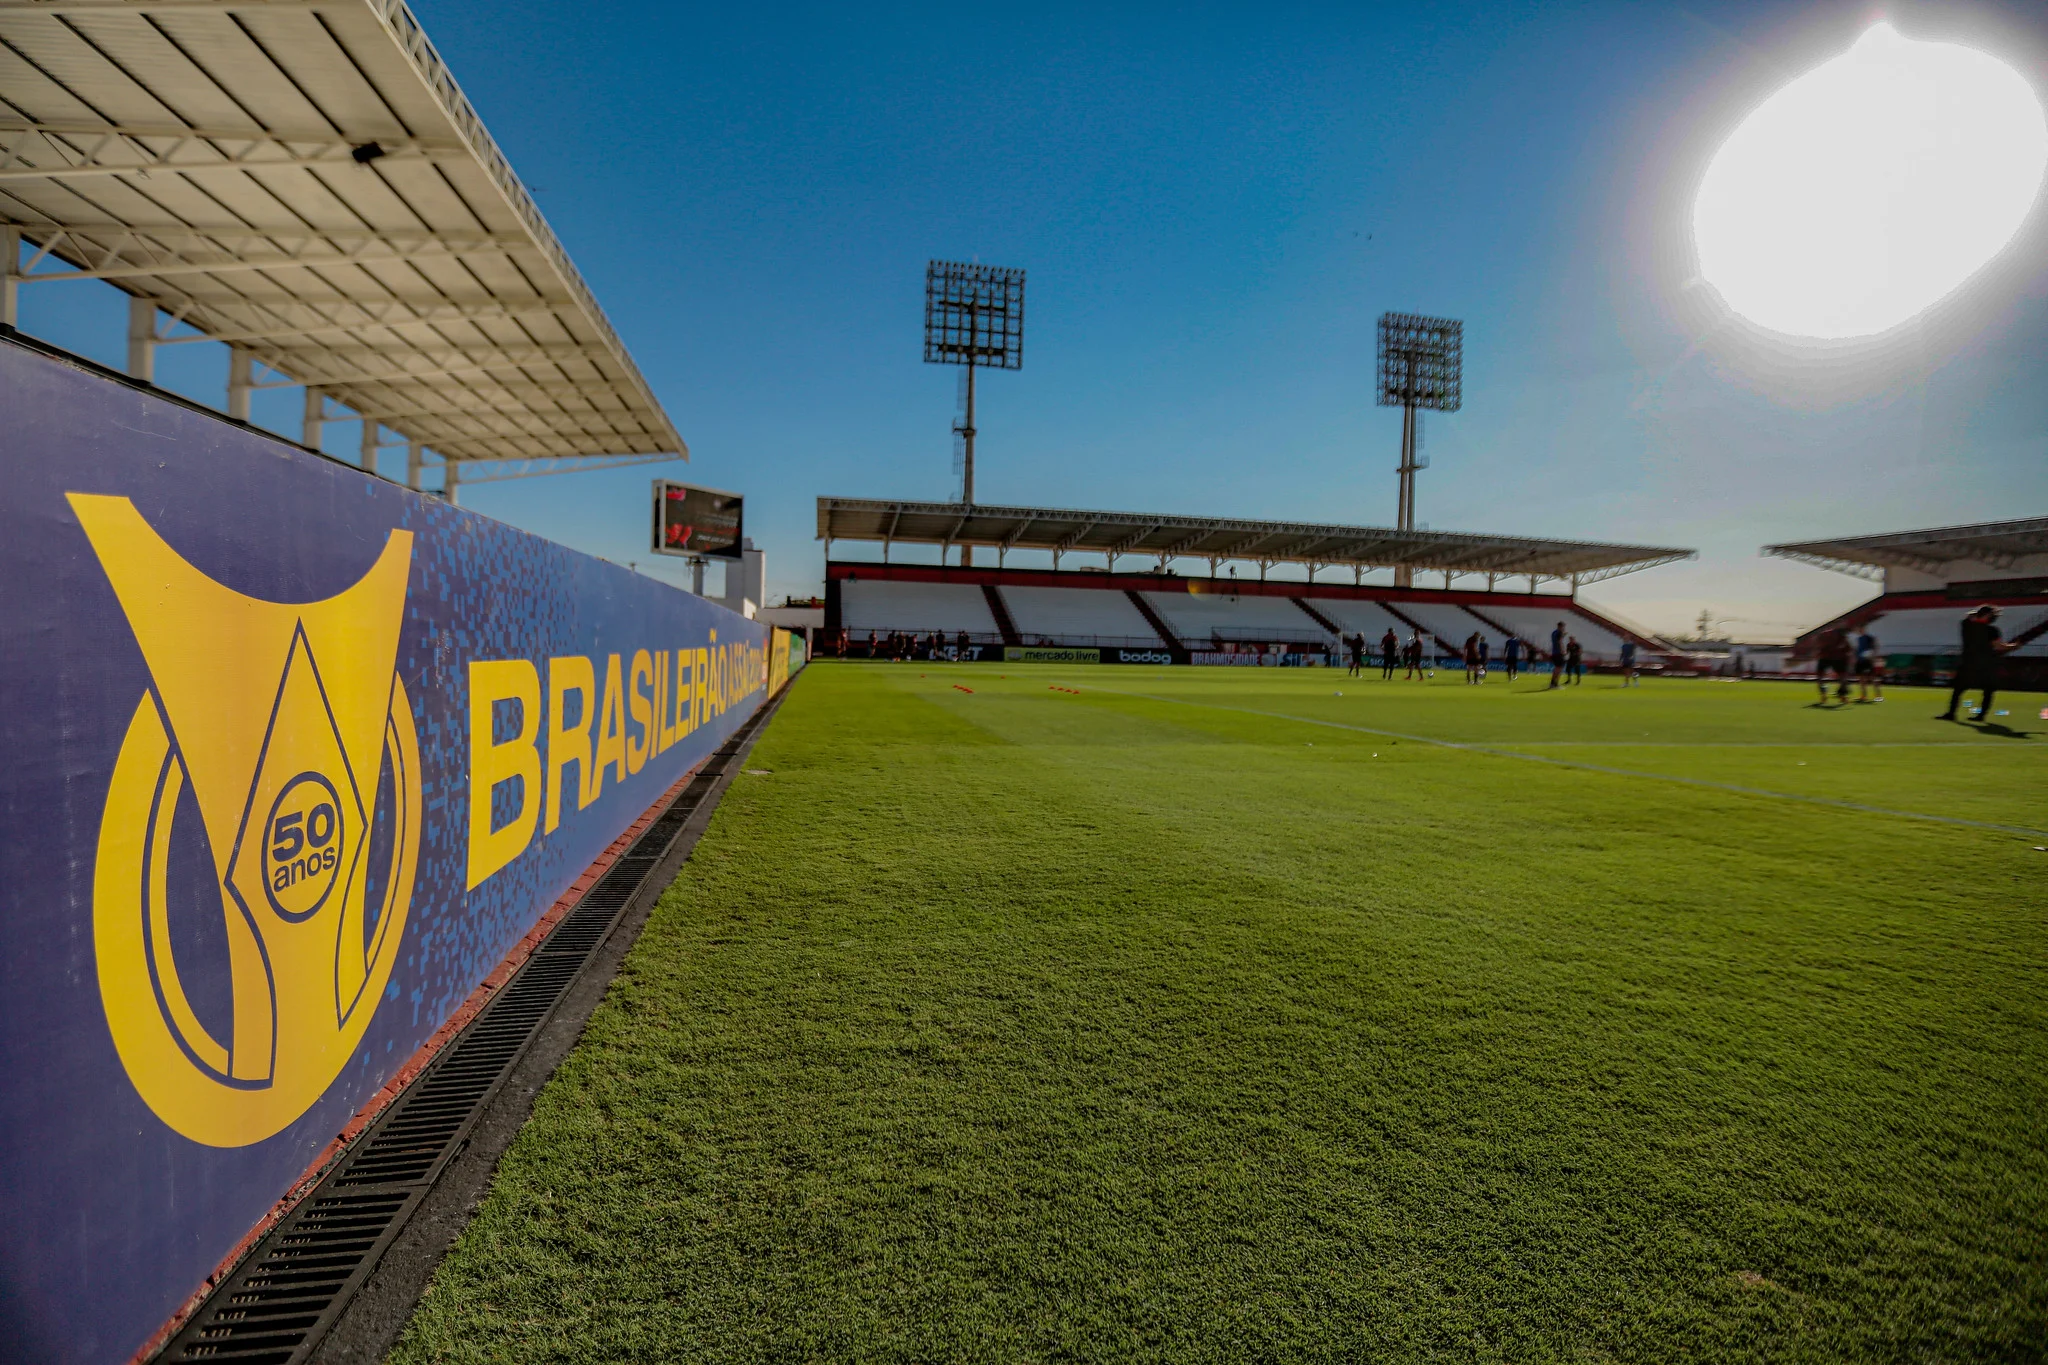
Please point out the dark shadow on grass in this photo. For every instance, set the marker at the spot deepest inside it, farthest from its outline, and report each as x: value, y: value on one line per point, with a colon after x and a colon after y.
x: 1992, y: 727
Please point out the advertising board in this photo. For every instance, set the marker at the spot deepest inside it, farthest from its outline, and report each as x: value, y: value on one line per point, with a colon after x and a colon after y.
x: 290, y: 757
x: 697, y: 521
x: 1048, y: 654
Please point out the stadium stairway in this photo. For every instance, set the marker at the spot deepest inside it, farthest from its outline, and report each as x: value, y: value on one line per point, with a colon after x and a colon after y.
x: 1413, y: 625
x: 2032, y: 633
x: 1000, y: 609
x: 1152, y: 617
x: 1496, y: 627
x: 1325, y: 622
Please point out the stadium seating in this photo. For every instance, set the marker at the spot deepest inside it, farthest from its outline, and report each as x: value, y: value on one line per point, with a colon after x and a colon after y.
x: 1077, y: 616
x: 1938, y: 630
x: 1450, y: 623
x: 1357, y: 617
x: 1535, y: 626
x: 881, y: 605
x: 1090, y: 613
x: 1203, y: 618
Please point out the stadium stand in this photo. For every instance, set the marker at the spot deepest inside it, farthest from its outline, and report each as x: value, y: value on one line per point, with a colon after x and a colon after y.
x: 1211, y: 618
x: 918, y: 608
x: 1534, y: 624
x: 1361, y: 616
x: 1449, y: 623
x: 1931, y: 579
x: 1218, y: 619
x: 1202, y: 616
x: 1077, y: 616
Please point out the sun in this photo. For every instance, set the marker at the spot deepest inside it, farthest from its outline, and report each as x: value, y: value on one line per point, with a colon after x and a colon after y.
x: 1870, y: 187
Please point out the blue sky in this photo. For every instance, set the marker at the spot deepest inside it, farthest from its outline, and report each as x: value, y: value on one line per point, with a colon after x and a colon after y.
x: 1214, y: 204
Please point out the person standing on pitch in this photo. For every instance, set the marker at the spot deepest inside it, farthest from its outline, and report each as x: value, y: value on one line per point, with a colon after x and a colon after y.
x: 1414, y: 657
x: 1557, y: 655
x: 1832, y: 655
x: 1869, y: 666
x: 1511, y: 656
x: 1472, y: 658
x: 1574, y: 660
x: 1628, y: 663
x: 1357, y: 643
x: 1485, y: 652
x: 1390, y: 654
x: 1983, y: 642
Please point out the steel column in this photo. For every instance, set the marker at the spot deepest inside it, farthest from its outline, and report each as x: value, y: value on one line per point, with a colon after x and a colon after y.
x: 241, y: 374
x: 141, y: 339
x: 10, y: 276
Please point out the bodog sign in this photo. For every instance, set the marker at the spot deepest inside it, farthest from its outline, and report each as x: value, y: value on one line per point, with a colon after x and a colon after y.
x: 285, y: 722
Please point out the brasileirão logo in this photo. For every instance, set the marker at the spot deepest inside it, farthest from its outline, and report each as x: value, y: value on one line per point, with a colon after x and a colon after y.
x: 286, y: 728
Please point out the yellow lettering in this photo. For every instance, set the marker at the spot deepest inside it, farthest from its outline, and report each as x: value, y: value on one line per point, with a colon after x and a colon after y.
x: 664, y: 705
x: 700, y: 689
x: 490, y: 763
x: 611, y: 732
x: 682, y: 696
x: 569, y: 743
x: 639, y: 744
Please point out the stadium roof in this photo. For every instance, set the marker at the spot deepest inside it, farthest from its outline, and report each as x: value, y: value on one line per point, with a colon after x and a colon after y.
x: 2001, y: 544
x: 304, y: 180
x: 1114, y: 534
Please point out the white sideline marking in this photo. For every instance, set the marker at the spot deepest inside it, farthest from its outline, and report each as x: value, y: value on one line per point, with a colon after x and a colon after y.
x: 1763, y: 744
x: 1601, y: 767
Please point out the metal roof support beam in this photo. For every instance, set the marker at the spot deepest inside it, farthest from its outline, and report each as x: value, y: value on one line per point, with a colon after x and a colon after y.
x: 503, y: 470
x: 69, y: 151
x: 384, y: 315
x: 361, y: 256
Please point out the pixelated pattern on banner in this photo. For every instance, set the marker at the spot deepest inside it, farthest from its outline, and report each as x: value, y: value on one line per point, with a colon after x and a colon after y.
x: 290, y: 758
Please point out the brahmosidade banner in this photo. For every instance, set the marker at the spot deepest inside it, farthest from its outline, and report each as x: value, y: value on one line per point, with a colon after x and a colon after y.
x: 290, y: 757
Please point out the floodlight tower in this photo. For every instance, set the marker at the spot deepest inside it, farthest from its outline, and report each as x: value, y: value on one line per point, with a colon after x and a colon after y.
x: 973, y: 316
x: 1421, y: 366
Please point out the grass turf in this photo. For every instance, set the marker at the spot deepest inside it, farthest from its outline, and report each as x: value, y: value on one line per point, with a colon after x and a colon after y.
x: 1014, y: 1024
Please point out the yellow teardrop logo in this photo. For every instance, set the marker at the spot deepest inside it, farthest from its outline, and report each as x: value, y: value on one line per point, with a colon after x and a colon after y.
x: 279, y: 724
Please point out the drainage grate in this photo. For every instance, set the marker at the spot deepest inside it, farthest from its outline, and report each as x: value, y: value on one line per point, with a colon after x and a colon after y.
x: 275, y: 1307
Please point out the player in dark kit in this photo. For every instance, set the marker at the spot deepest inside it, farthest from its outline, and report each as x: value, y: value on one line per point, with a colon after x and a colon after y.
x: 1833, y: 656
x: 1390, y: 654
x: 1983, y: 642
x: 1357, y: 643
x: 1511, y: 656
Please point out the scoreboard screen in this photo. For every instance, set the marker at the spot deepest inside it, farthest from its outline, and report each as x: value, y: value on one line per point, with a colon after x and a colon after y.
x: 696, y: 521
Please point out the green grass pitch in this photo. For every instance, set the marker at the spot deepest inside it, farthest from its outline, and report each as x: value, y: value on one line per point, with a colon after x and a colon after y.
x: 1207, y: 1014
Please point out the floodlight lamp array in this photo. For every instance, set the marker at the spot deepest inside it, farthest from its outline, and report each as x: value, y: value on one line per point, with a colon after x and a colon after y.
x: 1421, y: 362
x: 973, y: 315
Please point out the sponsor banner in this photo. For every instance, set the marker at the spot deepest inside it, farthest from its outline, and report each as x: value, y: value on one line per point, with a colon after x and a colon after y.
x: 1247, y: 659
x: 290, y: 757
x: 1136, y: 656
x: 1047, y: 654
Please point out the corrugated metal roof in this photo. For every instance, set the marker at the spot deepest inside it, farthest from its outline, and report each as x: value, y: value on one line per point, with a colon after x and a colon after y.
x: 1066, y: 531
x: 304, y: 179
x: 2001, y: 544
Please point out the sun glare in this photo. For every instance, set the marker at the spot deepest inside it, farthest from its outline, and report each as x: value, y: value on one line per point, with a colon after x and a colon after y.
x: 1870, y: 187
